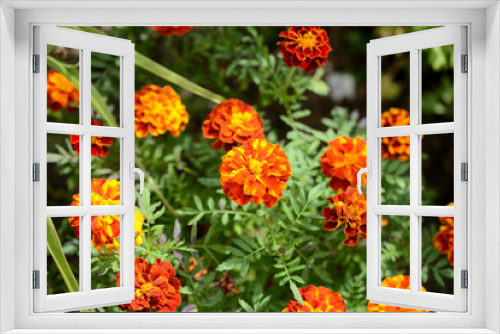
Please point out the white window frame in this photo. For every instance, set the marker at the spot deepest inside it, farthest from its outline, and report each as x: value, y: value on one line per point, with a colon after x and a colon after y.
x: 483, y: 20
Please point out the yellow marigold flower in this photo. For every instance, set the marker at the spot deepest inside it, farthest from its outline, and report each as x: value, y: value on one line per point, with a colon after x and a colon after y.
x: 305, y: 47
x: 158, y: 110
x: 156, y: 287
x: 232, y: 123
x: 342, y: 161
x: 395, y: 147
x: 105, y: 229
x: 61, y: 93
x: 317, y: 299
x: 444, y: 240
x: 397, y: 282
x: 349, y: 208
x: 257, y: 172
x: 172, y: 30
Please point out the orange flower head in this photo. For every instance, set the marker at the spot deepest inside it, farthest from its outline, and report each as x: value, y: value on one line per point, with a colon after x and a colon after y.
x: 317, y: 299
x: 342, y: 161
x: 172, y: 30
x: 397, y: 282
x: 106, y: 229
x: 231, y: 123
x: 444, y: 240
x: 257, y: 172
x: 395, y: 147
x: 156, y: 287
x: 349, y: 208
x: 61, y: 93
x: 99, y: 145
x: 192, y: 265
x: 305, y: 47
x: 158, y: 110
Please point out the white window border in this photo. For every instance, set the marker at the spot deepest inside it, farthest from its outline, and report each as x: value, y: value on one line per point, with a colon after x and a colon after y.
x: 484, y: 103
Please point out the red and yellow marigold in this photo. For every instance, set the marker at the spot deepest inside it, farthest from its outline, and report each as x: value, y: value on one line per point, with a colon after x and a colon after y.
x: 342, y: 161
x: 61, y: 93
x: 231, y: 123
x: 172, y: 30
x: 305, y: 47
x: 256, y: 172
x: 395, y: 147
x: 445, y: 238
x: 105, y: 229
x: 349, y: 208
x: 317, y: 299
x: 99, y: 145
x: 156, y: 287
x: 158, y: 110
x: 397, y: 282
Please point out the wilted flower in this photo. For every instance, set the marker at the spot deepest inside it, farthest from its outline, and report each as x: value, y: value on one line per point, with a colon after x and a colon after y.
x: 395, y: 147
x: 317, y: 299
x: 397, y: 282
x: 192, y: 266
x: 172, y: 30
x: 444, y: 240
x: 61, y: 93
x: 99, y: 145
x: 226, y: 283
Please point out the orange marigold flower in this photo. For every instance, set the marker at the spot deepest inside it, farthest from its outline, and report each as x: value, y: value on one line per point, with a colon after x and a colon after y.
x: 444, y: 240
x: 257, y: 172
x: 397, y: 282
x: 172, y: 30
x: 349, y: 208
x: 99, y: 145
x: 231, y: 123
x: 105, y: 229
x: 395, y: 147
x: 305, y: 47
x: 61, y: 93
x: 317, y: 299
x: 158, y: 110
x: 156, y: 287
x: 342, y: 161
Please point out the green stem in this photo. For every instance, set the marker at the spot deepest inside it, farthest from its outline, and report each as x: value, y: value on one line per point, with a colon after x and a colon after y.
x: 57, y: 253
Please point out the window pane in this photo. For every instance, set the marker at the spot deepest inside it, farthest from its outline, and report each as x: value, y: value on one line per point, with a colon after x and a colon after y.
x: 437, y: 169
x: 395, y: 89
x: 105, y: 170
x: 437, y: 84
x: 63, y: 81
x: 63, y: 170
x: 395, y: 247
x: 105, y: 75
x: 105, y: 251
x: 395, y: 170
x: 63, y: 255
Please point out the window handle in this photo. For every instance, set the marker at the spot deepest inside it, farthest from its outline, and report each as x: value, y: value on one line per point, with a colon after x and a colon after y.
x: 368, y: 171
x: 135, y: 170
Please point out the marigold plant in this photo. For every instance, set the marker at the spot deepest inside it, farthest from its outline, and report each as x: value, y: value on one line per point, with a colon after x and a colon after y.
x: 342, y: 161
x: 156, y: 287
x: 397, y: 282
x: 231, y: 123
x: 395, y: 147
x: 172, y: 30
x: 444, y: 239
x: 305, y: 47
x: 99, y: 145
x: 349, y: 208
x: 317, y: 299
x: 105, y: 229
x: 256, y: 172
x: 158, y: 110
x: 61, y: 93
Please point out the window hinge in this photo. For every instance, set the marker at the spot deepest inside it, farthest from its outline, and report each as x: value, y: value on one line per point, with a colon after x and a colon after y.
x: 36, y: 63
x: 36, y: 279
x: 36, y: 172
x: 465, y: 64
x: 465, y: 279
x: 464, y: 172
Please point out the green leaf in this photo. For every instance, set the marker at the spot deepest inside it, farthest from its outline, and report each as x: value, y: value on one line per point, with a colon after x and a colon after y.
x: 245, y: 306
x: 316, y: 192
x: 287, y: 212
x: 249, y: 241
x: 228, y: 265
x: 312, y: 215
x: 244, y: 267
x: 196, y: 218
x: 242, y: 245
x: 198, y: 202
x: 296, y: 293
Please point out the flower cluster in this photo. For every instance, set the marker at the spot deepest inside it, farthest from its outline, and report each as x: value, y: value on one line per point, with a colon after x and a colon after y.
x: 395, y: 147
x: 158, y: 110
x: 172, y: 30
x: 444, y: 239
x: 397, y: 282
x: 156, y: 287
x: 342, y: 161
x: 349, y: 208
x: 232, y: 123
x: 99, y: 145
x: 105, y: 229
x: 317, y: 299
x: 61, y: 93
x: 305, y: 47
x: 257, y: 172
